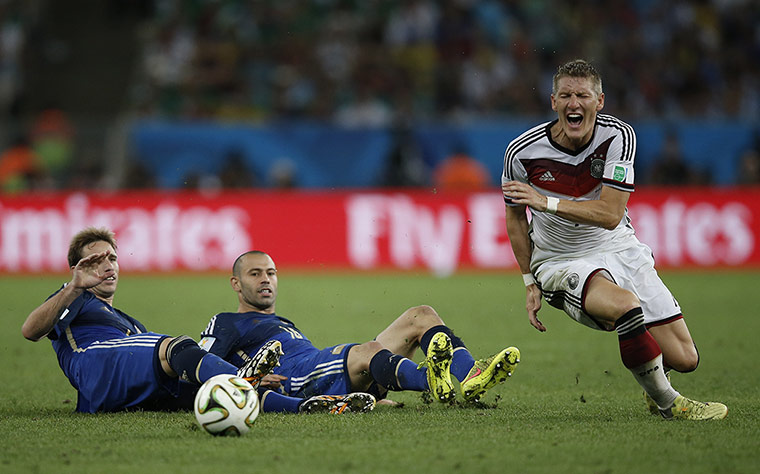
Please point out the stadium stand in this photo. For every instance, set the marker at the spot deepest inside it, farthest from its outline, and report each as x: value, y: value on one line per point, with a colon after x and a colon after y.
x: 454, y: 69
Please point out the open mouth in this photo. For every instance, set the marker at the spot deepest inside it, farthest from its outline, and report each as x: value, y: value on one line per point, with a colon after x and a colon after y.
x: 265, y: 291
x: 574, y: 119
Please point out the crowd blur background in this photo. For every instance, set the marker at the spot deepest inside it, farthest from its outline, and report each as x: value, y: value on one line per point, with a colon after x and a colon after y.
x: 124, y: 94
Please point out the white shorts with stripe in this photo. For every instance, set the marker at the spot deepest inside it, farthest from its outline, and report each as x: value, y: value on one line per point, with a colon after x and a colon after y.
x: 564, y: 282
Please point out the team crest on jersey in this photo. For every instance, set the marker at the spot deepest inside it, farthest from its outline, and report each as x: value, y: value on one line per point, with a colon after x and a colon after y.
x: 598, y: 157
x: 597, y: 168
x: 572, y: 281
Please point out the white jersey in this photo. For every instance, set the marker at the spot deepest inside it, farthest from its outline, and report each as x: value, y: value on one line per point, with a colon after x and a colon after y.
x: 607, y: 160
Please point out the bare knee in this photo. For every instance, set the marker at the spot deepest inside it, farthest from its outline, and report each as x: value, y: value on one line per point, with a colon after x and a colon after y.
x: 618, y: 306
x: 404, y: 334
x: 626, y: 301
x: 372, y: 347
x: 422, y: 316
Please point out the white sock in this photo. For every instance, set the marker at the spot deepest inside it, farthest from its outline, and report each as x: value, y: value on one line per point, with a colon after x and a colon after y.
x: 651, y: 377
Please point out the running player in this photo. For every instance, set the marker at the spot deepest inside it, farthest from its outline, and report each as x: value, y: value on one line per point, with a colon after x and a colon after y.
x: 376, y: 366
x: 579, y: 250
x: 111, y: 359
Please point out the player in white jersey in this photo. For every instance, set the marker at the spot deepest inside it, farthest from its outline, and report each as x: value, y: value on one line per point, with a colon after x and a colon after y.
x: 579, y: 249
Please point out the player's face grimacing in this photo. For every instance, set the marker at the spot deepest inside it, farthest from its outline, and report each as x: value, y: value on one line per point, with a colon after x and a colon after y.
x: 257, y: 283
x: 576, y: 103
x: 109, y: 265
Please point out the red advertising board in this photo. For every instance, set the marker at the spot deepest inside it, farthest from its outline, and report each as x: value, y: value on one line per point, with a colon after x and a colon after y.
x: 443, y: 232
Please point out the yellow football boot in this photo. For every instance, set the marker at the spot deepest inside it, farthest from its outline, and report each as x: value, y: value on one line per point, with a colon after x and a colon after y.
x: 687, y: 409
x: 438, y: 363
x: 488, y: 372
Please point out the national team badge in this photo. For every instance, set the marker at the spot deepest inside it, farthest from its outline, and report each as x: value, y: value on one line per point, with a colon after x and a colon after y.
x: 619, y: 174
x: 572, y: 281
x: 597, y: 168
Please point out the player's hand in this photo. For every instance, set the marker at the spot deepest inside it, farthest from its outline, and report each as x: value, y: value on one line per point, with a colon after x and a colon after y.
x: 90, y: 271
x: 272, y: 381
x: 523, y: 193
x: 533, y: 305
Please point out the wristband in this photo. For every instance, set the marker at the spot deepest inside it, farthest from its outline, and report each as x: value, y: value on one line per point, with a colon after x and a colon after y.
x: 551, y: 204
x: 528, y: 279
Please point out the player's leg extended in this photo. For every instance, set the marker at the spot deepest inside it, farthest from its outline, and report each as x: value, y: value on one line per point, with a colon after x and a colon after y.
x: 182, y: 357
x: 619, y: 309
x: 476, y: 377
x: 370, y: 362
x: 418, y: 327
x: 640, y: 352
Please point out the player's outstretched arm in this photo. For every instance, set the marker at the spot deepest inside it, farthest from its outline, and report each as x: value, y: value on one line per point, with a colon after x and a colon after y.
x: 85, y: 275
x: 517, y: 228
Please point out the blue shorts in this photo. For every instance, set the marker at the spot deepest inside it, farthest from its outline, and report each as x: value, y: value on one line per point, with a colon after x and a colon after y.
x: 324, y: 372
x: 118, y: 374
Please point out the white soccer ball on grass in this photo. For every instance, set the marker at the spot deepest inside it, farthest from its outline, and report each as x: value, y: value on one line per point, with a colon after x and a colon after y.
x: 226, y: 405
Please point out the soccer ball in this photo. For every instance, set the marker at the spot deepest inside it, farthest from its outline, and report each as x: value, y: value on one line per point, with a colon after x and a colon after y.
x: 226, y: 405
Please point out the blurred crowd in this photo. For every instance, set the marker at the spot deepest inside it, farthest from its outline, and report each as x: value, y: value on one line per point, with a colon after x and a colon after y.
x: 369, y: 62
x: 391, y: 63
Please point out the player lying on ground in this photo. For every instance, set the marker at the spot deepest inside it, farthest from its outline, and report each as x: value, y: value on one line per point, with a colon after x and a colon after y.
x: 111, y: 359
x: 580, y: 252
x: 375, y: 367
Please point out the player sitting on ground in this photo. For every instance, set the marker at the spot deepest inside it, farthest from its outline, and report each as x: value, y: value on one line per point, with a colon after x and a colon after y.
x: 111, y: 359
x: 376, y: 366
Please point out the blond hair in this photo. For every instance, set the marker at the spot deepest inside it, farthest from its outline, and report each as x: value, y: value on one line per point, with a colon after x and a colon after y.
x: 578, y: 68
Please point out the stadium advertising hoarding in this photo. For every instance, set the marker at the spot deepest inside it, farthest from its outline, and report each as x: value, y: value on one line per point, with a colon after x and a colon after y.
x: 389, y: 229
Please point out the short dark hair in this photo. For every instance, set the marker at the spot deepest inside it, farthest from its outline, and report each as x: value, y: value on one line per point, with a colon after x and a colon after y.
x: 84, y: 238
x: 236, y: 265
x: 578, y: 68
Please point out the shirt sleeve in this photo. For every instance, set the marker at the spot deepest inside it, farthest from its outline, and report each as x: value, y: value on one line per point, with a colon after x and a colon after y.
x: 68, y: 314
x: 219, y: 337
x: 513, y: 171
x: 618, y: 168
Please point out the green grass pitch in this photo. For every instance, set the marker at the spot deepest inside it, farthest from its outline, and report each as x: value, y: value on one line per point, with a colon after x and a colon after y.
x: 570, y: 407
